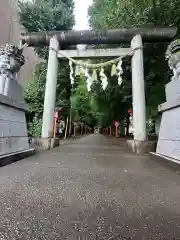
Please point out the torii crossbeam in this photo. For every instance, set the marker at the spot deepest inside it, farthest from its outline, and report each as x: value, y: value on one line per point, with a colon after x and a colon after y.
x: 112, y: 36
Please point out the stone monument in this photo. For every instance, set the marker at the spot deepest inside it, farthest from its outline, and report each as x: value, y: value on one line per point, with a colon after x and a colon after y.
x: 13, y: 128
x: 169, y: 133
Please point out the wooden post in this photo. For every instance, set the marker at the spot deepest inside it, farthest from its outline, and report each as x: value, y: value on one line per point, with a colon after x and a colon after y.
x: 67, y: 121
x: 70, y: 122
x: 110, y: 131
x: 116, y: 124
x: 55, y: 125
x: 74, y: 130
x: 81, y: 129
x: 116, y: 131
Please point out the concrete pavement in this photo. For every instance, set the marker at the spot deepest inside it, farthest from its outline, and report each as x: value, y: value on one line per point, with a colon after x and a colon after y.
x: 91, y: 188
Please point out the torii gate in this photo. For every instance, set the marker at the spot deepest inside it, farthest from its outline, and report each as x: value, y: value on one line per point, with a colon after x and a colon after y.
x: 135, y: 36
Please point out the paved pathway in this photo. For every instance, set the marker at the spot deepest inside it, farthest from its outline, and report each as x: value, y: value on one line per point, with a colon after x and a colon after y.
x: 89, y: 189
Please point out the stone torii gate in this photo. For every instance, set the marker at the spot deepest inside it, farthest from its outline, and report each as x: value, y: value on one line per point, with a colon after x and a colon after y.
x: 115, y: 36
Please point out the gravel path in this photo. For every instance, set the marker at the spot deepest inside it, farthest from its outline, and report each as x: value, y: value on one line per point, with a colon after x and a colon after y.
x: 91, y: 188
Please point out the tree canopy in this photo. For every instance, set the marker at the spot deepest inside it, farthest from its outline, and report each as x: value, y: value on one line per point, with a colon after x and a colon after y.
x: 99, y: 106
x: 81, y: 102
x: 45, y: 15
x: 134, y: 13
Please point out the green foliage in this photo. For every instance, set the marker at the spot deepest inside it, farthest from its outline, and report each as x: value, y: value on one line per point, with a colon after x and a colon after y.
x: 34, y: 92
x: 106, y: 14
x: 34, y: 127
x: 108, y: 104
x: 45, y: 15
x: 81, y: 103
x: 34, y: 97
x: 100, y: 107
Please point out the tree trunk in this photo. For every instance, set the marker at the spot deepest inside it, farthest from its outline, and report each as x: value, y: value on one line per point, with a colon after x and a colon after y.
x: 127, y: 125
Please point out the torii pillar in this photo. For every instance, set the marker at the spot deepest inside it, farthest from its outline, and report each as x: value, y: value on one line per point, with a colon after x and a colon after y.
x: 139, y: 144
x: 138, y: 90
x: 50, y: 95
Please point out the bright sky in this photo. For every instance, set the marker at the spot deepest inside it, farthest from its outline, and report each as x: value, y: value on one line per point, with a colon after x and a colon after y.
x: 81, y: 7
